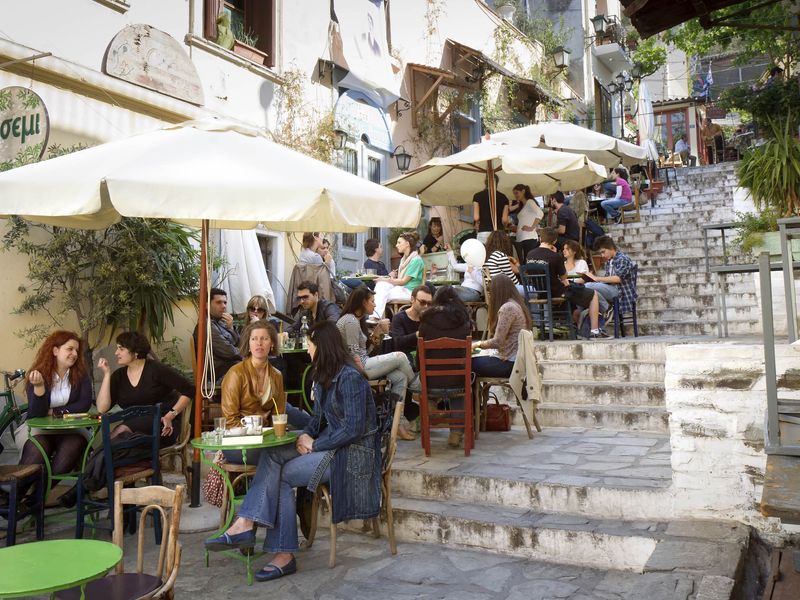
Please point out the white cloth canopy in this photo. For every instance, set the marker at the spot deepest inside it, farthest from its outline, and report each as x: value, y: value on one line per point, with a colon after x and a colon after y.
x: 224, y: 172
x: 245, y: 269
x: 646, y: 121
x: 556, y: 135
x: 453, y: 180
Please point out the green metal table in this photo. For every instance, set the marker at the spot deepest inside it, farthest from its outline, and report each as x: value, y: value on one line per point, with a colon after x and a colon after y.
x: 61, y: 425
x: 268, y: 441
x: 47, y: 567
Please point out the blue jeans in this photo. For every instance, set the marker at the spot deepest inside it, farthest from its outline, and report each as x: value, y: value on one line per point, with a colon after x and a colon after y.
x: 606, y: 291
x: 611, y: 206
x: 491, y: 366
x: 610, y: 187
x: 467, y: 294
x: 271, y: 501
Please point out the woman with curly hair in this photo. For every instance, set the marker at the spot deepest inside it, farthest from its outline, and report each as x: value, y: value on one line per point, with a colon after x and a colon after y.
x: 410, y: 274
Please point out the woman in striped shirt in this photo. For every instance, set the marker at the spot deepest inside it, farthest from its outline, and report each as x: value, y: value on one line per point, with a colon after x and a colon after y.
x: 500, y: 257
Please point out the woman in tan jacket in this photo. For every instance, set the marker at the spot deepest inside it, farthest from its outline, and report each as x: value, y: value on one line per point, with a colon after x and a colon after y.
x: 253, y: 386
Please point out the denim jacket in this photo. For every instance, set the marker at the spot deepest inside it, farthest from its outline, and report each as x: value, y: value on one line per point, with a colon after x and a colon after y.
x: 350, y: 432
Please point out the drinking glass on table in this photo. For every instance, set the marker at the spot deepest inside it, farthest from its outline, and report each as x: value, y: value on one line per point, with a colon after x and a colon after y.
x: 219, y: 424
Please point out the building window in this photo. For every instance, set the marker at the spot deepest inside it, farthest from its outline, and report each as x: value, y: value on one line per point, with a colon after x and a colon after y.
x: 253, y: 24
x: 669, y: 127
x: 374, y: 169
x: 349, y: 161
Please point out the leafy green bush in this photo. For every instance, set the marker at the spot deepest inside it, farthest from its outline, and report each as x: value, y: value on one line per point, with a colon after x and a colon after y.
x: 749, y: 228
x: 778, y: 101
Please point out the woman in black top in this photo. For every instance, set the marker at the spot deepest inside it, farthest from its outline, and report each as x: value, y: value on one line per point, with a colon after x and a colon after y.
x: 434, y: 241
x: 141, y: 382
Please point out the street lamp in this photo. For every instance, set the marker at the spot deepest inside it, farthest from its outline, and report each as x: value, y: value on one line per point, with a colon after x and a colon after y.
x: 561, y: 57
x: 599, y: 25
x: 403, y: 158
x: 339, y: 139
x: 623, y: 83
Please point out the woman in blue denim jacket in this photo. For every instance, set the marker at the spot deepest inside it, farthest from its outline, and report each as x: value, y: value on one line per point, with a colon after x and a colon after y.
x: 340, y: 445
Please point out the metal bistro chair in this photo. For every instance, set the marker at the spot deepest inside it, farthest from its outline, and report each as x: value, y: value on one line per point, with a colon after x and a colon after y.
x: 454, y: 365
x: 619, y: 317
x: 180, y: 448
x: 536, y: 285
x: 487, y: 294
x: 126, y: 469
x: 13, y: 476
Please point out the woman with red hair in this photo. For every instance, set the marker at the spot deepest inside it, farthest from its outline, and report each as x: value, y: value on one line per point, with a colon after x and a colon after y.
x: 59, y: 382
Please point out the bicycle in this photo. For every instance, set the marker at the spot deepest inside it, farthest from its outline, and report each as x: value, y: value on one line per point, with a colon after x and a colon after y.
x: 12, y: 414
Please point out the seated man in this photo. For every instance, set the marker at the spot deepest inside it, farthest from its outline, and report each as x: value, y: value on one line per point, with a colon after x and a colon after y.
x: 374, y: 252
x: 314, y: 308
x: 405, y: 323
x: 224, y: 339
x: 568, y: 227
x: 682, y: 149
x: 560, y: 286
x: 619, y: 279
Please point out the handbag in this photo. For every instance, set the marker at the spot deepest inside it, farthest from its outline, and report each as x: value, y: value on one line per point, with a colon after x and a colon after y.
x: 214, y: 483
x: 498, y: 416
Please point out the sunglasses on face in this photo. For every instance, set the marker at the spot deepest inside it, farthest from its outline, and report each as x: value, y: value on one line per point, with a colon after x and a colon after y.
x: 254, y: 309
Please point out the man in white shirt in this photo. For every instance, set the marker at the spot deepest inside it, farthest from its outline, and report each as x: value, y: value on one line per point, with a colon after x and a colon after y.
x: 682, y: 149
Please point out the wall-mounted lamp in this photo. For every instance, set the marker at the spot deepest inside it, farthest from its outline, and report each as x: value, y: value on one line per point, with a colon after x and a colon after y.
x: 340, y: 138
x: 561, y: 57
x: 599, y: 25
x: 403, y: 158
x: 636, y: 71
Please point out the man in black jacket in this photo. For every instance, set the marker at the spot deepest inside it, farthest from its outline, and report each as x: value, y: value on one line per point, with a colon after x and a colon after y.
x: 314, y: 308
x: 406, y: 322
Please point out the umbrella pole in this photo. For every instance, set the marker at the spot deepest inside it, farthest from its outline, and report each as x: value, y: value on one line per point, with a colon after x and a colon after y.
x: 201, y: 362
x: 492, y: 193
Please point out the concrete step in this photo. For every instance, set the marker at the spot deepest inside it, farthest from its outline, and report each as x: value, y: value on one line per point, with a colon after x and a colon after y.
x: 651, y: 299
x: 560, y: 392
x: 647, y: 235
x: 649, y: 285
x: 669, y: 246
x: 629, y: 545
x: 611, y: 350
x: 668, y: 315
x: 737, y: 282
x: 613, y: 417
x: 686, y: 227
x: 696, y: 328
x: 603, y: 370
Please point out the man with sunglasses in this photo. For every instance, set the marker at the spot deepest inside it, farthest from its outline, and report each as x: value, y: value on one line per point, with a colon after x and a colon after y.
x: 313, y: 307
x: 406, y: 322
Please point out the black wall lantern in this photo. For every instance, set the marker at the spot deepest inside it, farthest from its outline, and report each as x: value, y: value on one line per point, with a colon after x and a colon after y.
x: 340, y: 139
x: 403, y: 158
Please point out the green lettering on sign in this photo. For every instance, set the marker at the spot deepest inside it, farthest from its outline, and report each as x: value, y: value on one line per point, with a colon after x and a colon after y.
x: 24, y: 124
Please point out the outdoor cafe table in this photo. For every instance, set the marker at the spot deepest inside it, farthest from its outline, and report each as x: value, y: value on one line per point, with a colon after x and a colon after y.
x: 46, y: 567
x: 268, y: 440
x: 61, y: 425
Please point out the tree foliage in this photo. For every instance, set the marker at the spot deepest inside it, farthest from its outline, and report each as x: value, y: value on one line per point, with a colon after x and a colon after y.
x: 650, y: 55
x: 129, y: 276
x: 779, y: 101
x: 780, y: 46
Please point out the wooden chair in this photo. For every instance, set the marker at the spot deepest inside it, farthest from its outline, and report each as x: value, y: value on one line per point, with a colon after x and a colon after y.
x: 636, y: 181
x: 13, y: 476
x: 535, y: 279
x: 395, y: 306
x: 450, y: 358
x: 323, y: 495
x: 180, y: 448
x: 127, y: 467
x: 139, y: 585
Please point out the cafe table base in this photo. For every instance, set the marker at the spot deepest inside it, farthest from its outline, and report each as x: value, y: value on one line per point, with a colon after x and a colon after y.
x: 269, y: 441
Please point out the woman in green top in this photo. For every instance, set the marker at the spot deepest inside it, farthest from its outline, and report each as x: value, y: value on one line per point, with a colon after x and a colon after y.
x: 399, y: 285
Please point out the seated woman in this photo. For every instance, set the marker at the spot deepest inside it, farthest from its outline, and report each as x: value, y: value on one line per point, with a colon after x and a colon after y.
x: 447, y: 318
x: 409, y: 275
x: 143, y: 382
x: 312, y: 243
x: 434, y: 241
x: 500, y: 257
x: 257, y: 309
x: 471, y: 288
x: 254, y: 386
x: 508, y: 316
x: 57, y: 382
x: 622, y: 196
x: 339, y: 445
x: 353, y: 325
x: 574, y: 259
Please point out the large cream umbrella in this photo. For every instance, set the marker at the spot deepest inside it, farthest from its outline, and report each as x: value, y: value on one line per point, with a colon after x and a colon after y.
x: 453, y: 180
x: 201, y: 173
x: 557, y: 135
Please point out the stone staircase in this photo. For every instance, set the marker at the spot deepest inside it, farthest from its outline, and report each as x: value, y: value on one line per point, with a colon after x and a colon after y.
x: 676, y: 295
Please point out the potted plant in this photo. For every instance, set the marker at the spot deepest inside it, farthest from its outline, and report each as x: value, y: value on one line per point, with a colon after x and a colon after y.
x: 632, y: 39
x: 244, y: 44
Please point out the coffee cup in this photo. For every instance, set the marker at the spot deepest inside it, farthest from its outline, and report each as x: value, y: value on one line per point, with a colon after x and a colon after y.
x: 252, y: 423
x: 279, y: 424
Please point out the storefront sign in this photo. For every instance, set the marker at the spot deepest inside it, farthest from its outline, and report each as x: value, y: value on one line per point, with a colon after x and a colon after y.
x: 24, y: 125
x: 716, y: 112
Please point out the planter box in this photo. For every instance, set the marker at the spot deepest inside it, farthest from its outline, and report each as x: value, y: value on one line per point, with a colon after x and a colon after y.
x: 252, y: 54
x: 771, y: 242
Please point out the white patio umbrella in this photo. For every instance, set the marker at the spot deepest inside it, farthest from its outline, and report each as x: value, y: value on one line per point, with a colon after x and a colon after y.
x: 201, y: 173
x: 453, y: 180
x: 557, y: 135
x: 646, y: 121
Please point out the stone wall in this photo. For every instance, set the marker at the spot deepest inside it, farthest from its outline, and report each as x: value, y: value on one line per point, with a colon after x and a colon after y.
x: 716, y: 397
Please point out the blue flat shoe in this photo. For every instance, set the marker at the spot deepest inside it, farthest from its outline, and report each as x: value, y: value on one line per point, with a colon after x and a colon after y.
x: 246, y: 539
x: 275, y: 572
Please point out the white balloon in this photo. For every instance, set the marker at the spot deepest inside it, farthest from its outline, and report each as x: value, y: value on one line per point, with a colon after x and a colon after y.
x: 474, y: 253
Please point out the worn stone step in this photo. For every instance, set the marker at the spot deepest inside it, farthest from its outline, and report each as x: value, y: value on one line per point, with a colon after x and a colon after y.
x: 649, y: 285
x: 734, y: 313
x: 603, y: 416
x: 630, y: 545
x: 603, y: 393
x: 604, y: 370
x: 651, y: 299
x: 695, y: 328
x: 611, y: 350
x: 670, y: 246
x: 737, y: 282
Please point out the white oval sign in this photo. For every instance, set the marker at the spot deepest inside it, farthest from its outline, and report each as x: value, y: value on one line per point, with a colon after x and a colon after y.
x: 24, y: 126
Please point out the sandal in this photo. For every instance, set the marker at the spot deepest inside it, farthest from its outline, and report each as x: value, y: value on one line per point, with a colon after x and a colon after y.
x: 272, y: 571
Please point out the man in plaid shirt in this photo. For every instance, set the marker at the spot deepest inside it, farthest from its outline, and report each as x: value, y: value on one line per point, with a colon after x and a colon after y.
x: 620, y: 277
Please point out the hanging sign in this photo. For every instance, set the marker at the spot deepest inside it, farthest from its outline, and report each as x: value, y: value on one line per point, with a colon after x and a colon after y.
x: 24, y: 125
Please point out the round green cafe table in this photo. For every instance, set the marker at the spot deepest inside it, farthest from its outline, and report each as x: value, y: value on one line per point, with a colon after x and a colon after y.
x: 50, y: 566
x: 268, y: 440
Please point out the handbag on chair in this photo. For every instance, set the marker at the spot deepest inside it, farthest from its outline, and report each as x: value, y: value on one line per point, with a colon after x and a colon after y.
x: 498, y: 416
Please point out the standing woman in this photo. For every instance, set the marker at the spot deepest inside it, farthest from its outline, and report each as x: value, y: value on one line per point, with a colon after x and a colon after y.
x: 57, y: 382
x: 143, y: 382
x: 409, y: 274
x: 339, y: 445
x: 528, y: 219
x: 508, y: 317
